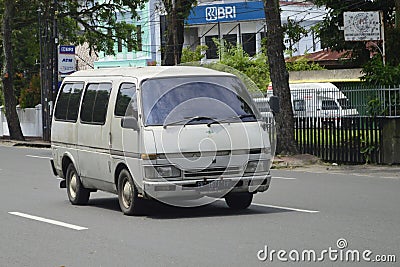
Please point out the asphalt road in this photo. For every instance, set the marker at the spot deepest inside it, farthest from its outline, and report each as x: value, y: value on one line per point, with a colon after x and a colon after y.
x: 304, y: 210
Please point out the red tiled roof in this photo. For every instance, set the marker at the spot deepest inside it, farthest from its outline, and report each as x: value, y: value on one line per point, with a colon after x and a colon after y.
x: 324, y: 56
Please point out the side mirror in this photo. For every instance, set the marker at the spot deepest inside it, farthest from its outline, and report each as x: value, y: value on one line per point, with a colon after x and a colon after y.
x: 130, y: 123
x: 274, y: 104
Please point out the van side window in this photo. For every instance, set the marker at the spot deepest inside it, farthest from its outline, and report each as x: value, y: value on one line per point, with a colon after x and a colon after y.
x: 299, y: 105
x: 95, y: 103
x: 329, y: 105
x: 126, y: 104
x: 68, y: 102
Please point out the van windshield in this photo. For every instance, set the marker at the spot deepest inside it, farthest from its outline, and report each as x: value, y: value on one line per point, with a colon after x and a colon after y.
x: 196, y: 100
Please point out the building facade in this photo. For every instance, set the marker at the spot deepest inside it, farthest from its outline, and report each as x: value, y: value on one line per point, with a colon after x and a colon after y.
x: 235, y: 21
x: 148, y: 52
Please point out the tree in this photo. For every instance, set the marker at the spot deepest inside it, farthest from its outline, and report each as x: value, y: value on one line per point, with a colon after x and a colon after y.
x: 280, y: 78
x: 98, y: 24
x: 331, y: 33
x: 177, y: 11
x: 8, y: 73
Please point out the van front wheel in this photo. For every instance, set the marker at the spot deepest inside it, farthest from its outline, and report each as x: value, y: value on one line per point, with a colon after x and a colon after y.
x: 127, y: 194
x: 239, y: 201
x: 77, y: 194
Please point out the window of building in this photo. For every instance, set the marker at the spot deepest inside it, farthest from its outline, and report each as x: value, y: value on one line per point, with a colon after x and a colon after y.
x: 95, y: 103
x: 249, y: 43
x: 119, y: 43
x: 68, y: 102
x: 139, y: 37
x: 211, y: 52
x: 129, y: 45
x: 230, y: 40
x: 126, y: 104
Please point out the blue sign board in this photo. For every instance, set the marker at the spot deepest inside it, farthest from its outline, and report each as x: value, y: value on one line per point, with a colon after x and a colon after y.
x: 67, y: 49
x: 66, y: 60
x: 226, y: 13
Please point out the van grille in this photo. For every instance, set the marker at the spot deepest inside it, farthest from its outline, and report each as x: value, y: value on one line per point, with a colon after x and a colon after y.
x: 212, y: 172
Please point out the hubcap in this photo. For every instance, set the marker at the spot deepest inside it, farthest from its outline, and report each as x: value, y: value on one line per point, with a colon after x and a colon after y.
x: 127, y: 194
x: 72, y: 186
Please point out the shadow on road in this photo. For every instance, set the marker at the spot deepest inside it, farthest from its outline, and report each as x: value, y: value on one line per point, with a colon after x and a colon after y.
x: 157, y: 210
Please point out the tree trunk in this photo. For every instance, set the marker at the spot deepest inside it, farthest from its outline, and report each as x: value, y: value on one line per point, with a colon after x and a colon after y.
x: 172, y: 55
x: 397, y: 8
x: 177, y: 11
x: 286, y: 143
x: 14, y: 126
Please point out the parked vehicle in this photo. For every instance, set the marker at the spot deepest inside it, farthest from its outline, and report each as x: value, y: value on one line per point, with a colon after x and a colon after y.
x: 318, y: 100
x: 165, y: 133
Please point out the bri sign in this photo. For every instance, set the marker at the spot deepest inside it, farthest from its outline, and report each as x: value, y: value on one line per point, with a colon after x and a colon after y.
x: 231, y: 12
x: 215, y: 13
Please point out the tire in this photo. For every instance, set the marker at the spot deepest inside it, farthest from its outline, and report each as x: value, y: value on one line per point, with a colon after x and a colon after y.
x: 128, y: 196
x: 77, y: 194
x: 239, y: 201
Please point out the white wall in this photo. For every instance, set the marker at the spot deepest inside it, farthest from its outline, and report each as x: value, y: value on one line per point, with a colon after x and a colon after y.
x: 30, y: 119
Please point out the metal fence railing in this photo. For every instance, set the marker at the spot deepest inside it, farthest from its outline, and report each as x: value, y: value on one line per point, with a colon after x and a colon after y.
x: 342, y: 125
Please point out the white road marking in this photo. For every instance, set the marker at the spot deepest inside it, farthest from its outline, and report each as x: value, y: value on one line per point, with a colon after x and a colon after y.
x: 40, y: 219
x: 283, y: 178
x: 284, y: 208
x: 39, y: 157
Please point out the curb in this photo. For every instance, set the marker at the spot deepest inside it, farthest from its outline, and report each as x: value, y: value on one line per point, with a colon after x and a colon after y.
x: 28, y: 144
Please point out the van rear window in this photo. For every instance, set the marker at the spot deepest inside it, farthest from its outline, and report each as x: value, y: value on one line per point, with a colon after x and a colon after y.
x: 95, y: 103
x: 68, y: 102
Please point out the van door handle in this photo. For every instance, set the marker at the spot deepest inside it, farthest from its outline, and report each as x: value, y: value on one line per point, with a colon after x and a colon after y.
x: 109, y: 140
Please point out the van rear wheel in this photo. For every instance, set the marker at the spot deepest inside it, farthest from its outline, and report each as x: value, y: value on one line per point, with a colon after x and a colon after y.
x: 239, y: 201
x: 77, y: 194
x: 128, y: 196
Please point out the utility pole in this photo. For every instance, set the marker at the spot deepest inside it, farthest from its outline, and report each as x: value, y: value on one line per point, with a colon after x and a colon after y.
x: 48, y: 40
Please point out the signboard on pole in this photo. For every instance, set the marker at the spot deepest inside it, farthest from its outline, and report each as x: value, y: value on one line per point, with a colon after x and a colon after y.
x: 66, y: 60
x: 362, y: 26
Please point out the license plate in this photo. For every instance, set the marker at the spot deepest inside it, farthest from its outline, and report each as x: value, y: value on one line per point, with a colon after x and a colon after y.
x: 214, y: 185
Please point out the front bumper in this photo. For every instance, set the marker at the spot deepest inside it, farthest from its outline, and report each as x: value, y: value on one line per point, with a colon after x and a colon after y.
x: 212, y: 188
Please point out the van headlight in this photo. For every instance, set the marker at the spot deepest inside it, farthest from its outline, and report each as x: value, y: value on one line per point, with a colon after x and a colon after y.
x: 257, y: 166
x: 162, y: 172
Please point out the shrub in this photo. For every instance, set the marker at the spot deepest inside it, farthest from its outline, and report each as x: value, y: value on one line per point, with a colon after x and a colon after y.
x: 30, y: 96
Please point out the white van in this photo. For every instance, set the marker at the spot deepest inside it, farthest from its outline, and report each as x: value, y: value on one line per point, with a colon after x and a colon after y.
x: 318, y: 100
x: 165, y: 133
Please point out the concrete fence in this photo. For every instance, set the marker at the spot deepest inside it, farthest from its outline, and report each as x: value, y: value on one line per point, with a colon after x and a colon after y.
x: 30, y: 119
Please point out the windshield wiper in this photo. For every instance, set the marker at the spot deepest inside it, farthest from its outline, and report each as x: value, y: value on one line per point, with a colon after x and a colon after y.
x: 232, y: 118
x: 188, y: 120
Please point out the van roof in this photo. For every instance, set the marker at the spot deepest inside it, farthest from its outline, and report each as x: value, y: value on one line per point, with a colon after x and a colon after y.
x: 150, y: 71
x: 312, y: 85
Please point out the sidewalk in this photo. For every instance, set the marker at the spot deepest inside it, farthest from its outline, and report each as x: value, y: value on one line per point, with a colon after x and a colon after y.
x: 310, y: 163
x: 29, y: 142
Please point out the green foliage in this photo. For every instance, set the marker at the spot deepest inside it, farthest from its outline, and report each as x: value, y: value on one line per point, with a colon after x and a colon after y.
x: 294, y: 33
x: 375, y: 107
x: 366, y: 149
x: 100, y: 25
x: 1, y: 98
x: 189, y: 55
x: 331, y: 35
x: 255, y: 68
x: 302, y: 64
x: 30, y: 96
x: 377, y: 73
